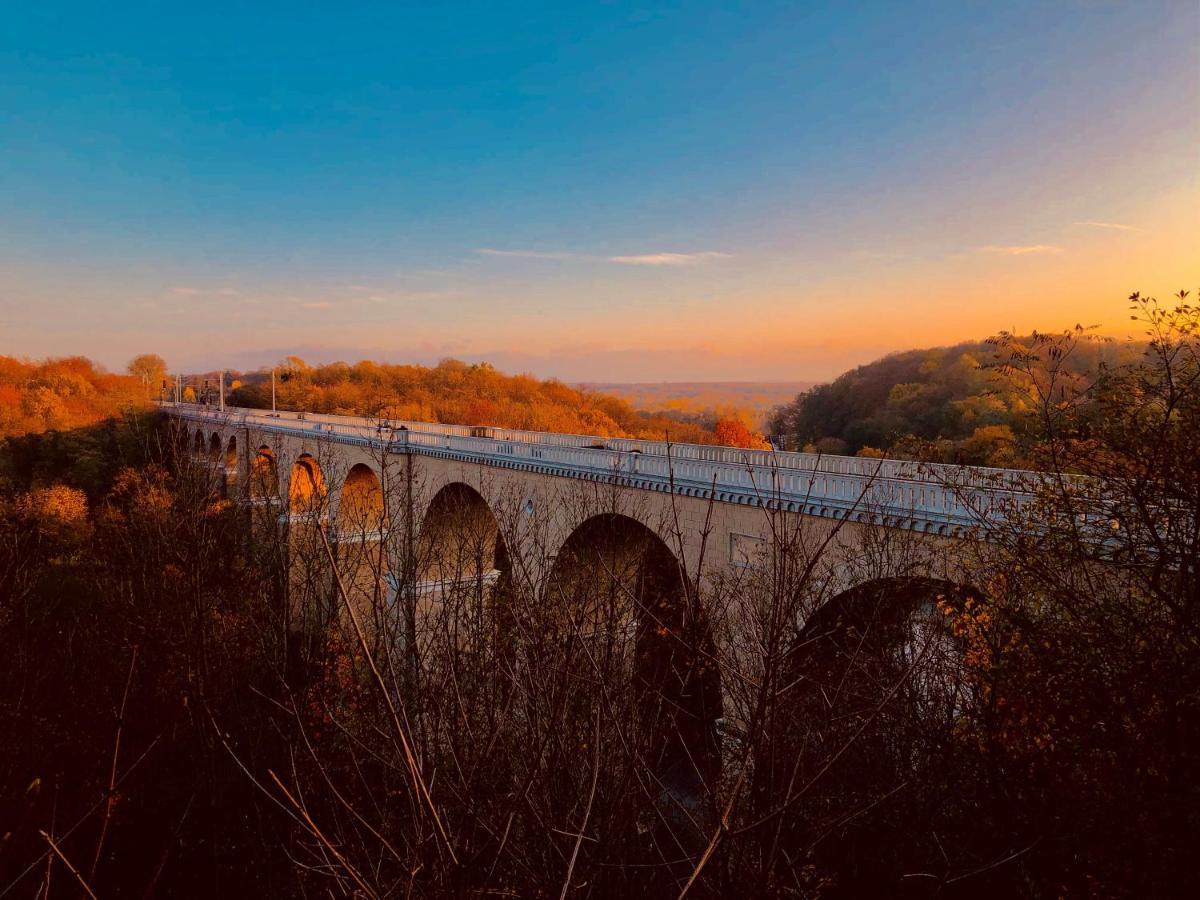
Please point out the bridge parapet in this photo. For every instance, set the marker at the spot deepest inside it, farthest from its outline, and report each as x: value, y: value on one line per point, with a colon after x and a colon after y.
x: 901, y: 493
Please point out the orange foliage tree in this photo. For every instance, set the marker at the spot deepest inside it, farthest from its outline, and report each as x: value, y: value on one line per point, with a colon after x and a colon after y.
x: 59, y: 394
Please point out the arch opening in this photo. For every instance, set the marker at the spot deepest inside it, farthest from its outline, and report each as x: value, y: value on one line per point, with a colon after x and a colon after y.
x: 198, y: 444
x: 231, y: 455
x: 876, y: 693
x: 460, y: 538
x: 616, y: 588
x: 306, y: 486
x: 264, y: 475
x: 214, y: 447
x: 464, y: 597
x: 361, y: 507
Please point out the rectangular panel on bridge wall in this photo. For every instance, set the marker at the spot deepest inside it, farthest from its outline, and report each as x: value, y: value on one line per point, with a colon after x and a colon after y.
x: 747, y: 551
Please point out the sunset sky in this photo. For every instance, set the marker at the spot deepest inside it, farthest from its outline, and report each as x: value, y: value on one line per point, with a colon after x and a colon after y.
x: 611, y: 192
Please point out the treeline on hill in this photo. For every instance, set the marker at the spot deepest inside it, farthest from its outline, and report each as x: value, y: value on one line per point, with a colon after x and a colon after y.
x: 71, y: 392
x: 952, y: 404
x: 458, y: 393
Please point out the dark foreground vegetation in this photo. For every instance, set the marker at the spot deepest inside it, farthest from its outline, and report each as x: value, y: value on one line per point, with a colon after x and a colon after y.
x: 619, y: 726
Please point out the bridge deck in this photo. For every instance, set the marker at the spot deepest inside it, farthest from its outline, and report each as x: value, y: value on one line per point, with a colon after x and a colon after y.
x: 899, y: 492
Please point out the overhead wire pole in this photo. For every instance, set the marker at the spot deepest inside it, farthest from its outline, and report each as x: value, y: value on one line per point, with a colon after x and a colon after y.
x: 222, y: 383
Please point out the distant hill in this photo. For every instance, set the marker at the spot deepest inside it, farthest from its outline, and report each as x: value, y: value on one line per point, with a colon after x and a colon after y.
x: 948, y: 402
x: 711, y: 399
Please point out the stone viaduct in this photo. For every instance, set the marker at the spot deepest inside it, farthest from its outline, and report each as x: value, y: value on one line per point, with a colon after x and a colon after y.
x: 387, y: 507
x: 716, y: 509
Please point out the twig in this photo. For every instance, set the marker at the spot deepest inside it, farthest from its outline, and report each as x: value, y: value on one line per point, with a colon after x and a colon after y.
x: 110, y: 797
x: 587, y: 812
x: 66, y: 862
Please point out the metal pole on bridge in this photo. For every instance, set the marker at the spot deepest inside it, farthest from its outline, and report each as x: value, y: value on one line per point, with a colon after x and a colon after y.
x: 222, y: 390
x: 272, y: 390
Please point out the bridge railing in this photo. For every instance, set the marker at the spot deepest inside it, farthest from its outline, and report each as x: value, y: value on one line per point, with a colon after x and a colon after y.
x: 781, y: 459
x: 821, y: 485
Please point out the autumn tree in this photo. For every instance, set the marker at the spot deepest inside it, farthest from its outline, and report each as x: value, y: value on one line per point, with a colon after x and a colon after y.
x: 732, y: 433
x: 150, y: 368
x: 1094, y: 666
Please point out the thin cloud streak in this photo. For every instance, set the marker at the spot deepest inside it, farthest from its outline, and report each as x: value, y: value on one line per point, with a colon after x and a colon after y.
x: 526, y: 254
x: 641, y: 259
x: 1117, y: 226
x: 1023, y: 250
x: 668, y: 259
x: 185, y: 291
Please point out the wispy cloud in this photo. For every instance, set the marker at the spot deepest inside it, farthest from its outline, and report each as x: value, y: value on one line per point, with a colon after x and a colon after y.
x: 317, y: 304
x: 1023, y: 249
x: 185, y: 291
x: 668, y: 259
x: 640, y: 259
x: 1116, y: 226
x: 229, y: 292
x: 525, y: 254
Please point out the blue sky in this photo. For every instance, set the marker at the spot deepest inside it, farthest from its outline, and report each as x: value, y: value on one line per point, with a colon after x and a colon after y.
x: 594, y: 191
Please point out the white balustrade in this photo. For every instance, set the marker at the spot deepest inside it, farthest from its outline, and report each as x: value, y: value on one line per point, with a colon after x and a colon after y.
x: 903, y: 490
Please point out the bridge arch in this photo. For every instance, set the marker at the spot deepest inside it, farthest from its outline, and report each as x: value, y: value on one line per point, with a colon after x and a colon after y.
x: 264, y: 474
x: 873, y: 695
x: 464, y: 588
x: 231, y: 454
x: 616, y: 585
x: 198, y: 444
x: 885, y: 605
x: 306, y: 486
x: 362, y: 558
x: 214, y: 447
x: 360, y: 506
x: 459, y: 537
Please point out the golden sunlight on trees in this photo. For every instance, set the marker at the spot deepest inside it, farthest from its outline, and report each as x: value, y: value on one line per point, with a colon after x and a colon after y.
x: 57, y: 503
x: 734, y: 433
x: 951, y: 404
x: 58, y: 394
x: 150, y: 368
x: 458, y: 393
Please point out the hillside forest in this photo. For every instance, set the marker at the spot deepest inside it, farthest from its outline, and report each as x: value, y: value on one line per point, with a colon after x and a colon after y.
x: 191, y: 706
x: 959, y: 404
